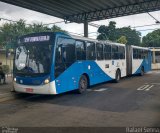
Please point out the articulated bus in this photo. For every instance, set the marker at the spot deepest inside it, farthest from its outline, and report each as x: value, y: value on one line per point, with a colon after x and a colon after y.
x: 54, y: 63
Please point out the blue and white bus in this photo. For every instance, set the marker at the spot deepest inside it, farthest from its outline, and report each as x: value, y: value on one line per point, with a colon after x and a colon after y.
x: 53, y: 63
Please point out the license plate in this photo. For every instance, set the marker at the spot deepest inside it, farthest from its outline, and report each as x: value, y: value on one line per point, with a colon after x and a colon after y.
x: 30, y: 90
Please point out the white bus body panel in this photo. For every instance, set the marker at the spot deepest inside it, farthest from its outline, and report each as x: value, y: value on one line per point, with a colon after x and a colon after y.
x: 111, y: 71
x: 136, y: 63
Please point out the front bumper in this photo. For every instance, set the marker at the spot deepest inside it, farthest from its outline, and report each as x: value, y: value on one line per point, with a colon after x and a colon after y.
x: 40, y: 89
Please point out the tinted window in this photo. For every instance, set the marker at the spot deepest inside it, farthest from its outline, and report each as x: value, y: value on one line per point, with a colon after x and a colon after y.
x: 107, y: 51
x: 80, y: 50
x: 135, y: 53
x: 65, y: 55
x: 121, y: 51
x: 99, y: 51
x: 115, y: 54
x: 145, y: 54
x: 65, y: 50
x: 140, y: 54
x: 157, y: 56
x: 91, y: 51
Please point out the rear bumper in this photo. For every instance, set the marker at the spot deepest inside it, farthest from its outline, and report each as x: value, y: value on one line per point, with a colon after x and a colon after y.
x: 40, y: 89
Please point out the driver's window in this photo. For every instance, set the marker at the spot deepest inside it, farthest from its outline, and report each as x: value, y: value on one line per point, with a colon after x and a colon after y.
x: 65, y: 54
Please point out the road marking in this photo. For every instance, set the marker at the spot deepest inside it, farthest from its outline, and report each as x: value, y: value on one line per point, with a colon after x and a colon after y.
x: 149, y: 88
x: 145, y: 87
x: 142, y: 87
x: 101, y: 89
x: 98, y: 90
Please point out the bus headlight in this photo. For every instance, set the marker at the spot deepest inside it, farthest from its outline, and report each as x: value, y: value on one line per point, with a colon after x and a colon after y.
x: 46, y: 81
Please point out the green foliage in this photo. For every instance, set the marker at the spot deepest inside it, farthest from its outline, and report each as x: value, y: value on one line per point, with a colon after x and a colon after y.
x: 122, y: 40
x: 5, y: 69
x: 132, y: 36
x: 9, y: 32
x: 112, y: 33
x: 107, y: 32
x: 152, y: 39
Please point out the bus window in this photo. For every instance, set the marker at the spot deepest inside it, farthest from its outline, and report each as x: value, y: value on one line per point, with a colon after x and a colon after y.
x: 157, y: 56
x: 107, y: 52
x: 135, y: 53
x: 91, y: 51
x: 121, y: 51
x: 145, y: 54
x: 99, y: 51
x: 65, y: 54
x: 80, y: 50
x: 140, y: 54
x: 115, y: 54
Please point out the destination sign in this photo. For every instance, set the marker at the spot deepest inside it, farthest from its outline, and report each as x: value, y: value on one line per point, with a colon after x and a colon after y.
x: 36, y: 39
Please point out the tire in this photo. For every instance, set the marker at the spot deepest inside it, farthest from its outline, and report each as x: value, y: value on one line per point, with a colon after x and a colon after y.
x: 83, y: 84
x: 118, y: 76
x: 142, y: 71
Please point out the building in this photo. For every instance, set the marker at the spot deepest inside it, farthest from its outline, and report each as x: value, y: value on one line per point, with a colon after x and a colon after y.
x: 155, y: 58
x: 6, y: 59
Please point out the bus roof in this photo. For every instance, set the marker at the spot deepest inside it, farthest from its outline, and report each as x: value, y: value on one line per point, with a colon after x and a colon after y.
x: 72, y: 36
x: 138, y: 47
x: 94, y: 40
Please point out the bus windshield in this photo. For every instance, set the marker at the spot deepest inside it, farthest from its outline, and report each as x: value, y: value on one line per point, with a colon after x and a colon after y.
x: 33, y: 59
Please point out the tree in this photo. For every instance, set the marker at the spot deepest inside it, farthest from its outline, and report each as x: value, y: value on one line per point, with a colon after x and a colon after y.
x: 112, y: 33
x: 133, y: 37
x: 122, y: 40
x: 55, y: 28
x: 9, y: 32
x: 152, y: 39
x: 107, y: 32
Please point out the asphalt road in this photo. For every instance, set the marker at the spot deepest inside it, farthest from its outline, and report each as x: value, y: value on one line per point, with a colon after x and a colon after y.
x: 135, y: 101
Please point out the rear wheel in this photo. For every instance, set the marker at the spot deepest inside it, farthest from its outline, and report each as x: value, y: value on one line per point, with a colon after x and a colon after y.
x: 142, y: 71
x: 118, y: 76
x: 83, y: 84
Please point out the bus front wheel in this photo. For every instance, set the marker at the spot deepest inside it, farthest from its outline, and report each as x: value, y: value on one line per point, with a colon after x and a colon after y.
x: 83, y: 84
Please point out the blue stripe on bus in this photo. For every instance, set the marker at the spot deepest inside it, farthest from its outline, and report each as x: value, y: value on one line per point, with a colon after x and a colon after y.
x: 146, y: 64
x: 69, y: 79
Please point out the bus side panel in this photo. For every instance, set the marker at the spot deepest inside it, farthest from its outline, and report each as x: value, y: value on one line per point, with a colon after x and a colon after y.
x: 149, y: 66
x: 110, y: 67
x: 138, y: 64
x: 69, y: 79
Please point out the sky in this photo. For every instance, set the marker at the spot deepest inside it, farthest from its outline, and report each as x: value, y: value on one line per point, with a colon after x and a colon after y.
x: 15, y: 13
